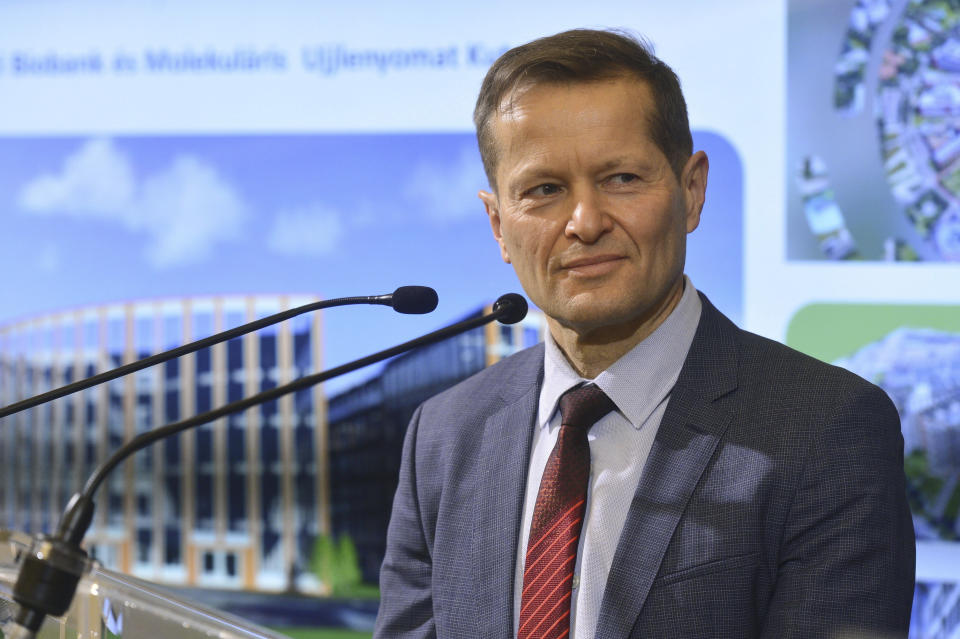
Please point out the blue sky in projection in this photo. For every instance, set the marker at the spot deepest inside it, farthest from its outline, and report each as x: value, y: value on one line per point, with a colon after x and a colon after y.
x: 95, y: 220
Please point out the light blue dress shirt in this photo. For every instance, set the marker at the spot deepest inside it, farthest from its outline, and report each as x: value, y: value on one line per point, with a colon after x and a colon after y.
x: 639, y: 383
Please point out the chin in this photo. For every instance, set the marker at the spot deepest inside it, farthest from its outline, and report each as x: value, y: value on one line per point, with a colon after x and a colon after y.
x: 591, y: 316
x: 621, y: 315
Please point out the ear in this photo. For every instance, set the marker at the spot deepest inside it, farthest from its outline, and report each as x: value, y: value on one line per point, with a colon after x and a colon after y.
x: 693, y: 182
x: 493, y: 212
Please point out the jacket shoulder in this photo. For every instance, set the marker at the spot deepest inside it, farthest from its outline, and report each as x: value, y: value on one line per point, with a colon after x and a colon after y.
x: 769, y: 363
x: 493, y: 386
x: 779, y: 365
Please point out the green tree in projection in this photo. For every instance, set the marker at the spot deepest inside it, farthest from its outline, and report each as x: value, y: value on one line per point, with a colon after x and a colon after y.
x: 932, y: 497
x: 336, y: 565
x: 349, y: 565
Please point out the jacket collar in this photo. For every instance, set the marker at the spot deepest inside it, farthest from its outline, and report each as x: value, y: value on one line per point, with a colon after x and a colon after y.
x: 506, y: 451
x: 696, y: 417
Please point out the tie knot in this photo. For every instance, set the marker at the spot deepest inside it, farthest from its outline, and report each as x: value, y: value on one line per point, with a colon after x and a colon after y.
x: 583, y: 406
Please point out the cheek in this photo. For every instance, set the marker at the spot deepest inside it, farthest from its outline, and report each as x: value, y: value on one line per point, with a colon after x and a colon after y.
x: 661, y: 232
x: 521, y: 241
x: 530, y: 242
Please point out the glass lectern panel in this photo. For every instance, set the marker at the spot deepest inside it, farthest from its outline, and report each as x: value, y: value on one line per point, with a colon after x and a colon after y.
x: 109, y: 605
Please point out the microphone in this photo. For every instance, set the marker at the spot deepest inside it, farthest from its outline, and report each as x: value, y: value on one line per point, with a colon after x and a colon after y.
x: 512, y: 308
x: 406, y: 299
x: 52, y: 569
x: 412, y: 300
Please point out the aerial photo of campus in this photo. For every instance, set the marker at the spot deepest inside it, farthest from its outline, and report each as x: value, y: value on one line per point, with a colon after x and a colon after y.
x: 898, y: 68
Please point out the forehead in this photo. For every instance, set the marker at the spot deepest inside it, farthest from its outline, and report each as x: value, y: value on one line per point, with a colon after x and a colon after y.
x: 589, y: 113
x: 522, y: 96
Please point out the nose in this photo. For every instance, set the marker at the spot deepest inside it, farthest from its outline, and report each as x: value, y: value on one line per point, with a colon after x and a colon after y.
x: 589, y: 220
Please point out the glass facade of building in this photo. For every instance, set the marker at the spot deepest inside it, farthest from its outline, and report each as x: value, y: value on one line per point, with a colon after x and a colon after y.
x: 367, y: 424
x: 234, y: 503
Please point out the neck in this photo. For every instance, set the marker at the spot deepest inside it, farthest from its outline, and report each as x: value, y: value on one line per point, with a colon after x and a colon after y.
x: 592, y: 351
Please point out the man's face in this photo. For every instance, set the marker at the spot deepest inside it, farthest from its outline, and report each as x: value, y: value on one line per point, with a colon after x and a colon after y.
x: 587, y: 208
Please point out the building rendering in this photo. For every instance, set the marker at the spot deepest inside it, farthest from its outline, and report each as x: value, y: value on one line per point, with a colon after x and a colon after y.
x: 368, y: 422
x: 239, y: 502
x: 234, y: 503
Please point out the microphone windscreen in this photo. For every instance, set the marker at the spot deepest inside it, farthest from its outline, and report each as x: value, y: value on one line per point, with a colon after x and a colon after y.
x: 511, y: 307
x: 414, y: 300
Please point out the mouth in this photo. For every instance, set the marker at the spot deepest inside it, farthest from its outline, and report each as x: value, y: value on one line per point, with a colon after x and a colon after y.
x: 592, y: 266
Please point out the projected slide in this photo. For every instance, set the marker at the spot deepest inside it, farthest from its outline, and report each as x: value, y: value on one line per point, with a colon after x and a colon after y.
x: 874, y: 141
x: 152, y: 241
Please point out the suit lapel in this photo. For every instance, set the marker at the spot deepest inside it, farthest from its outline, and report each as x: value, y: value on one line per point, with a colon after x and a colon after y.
x: 506, y: 454
x: 692, y: 425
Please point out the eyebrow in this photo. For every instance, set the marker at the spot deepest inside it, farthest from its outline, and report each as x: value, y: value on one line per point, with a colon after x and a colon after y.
x: 615, y: 162
x: 531, y: 171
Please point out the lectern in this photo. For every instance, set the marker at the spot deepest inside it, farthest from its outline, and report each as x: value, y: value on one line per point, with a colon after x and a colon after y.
x: 108, y: 604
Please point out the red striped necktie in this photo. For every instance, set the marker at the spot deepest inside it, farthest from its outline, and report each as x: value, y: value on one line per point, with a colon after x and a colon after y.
x: 558, y: 518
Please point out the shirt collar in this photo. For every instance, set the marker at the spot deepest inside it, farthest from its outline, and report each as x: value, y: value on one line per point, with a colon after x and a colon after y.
x: 638, y: 381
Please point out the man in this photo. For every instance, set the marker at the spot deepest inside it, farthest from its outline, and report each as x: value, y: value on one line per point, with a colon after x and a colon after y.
x: 717, y: 484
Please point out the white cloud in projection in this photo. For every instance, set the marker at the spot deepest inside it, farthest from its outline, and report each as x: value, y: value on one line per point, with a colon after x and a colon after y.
x: 309, y: 231
x: 184, y: 209
x: 95, y: 181
x: 448, y: 192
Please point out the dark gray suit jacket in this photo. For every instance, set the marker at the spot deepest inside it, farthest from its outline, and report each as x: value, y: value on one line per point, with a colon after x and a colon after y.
x: 772, y: 504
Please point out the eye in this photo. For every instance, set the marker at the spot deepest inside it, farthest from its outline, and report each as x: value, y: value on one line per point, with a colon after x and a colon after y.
x: 622, y: 179
x: 543, y: 190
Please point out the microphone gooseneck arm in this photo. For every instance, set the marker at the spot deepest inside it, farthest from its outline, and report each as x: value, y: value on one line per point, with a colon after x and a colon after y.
x: 406, y: 299
x: 509, y: 309
x: 48, y: 579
